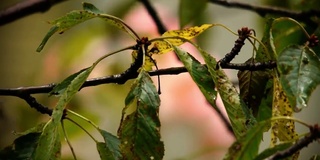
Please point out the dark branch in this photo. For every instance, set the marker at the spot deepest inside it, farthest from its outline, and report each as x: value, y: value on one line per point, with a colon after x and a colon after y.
x: 34, y: 104
x: 117, y: 78
x: 263, y: 10
x: 152, y: 12
x: 257, y: 66
x: 25, y: 8
x: 304, y: 142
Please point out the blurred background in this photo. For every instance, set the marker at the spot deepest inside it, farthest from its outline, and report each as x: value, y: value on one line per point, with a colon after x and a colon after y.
x: 190, y: 128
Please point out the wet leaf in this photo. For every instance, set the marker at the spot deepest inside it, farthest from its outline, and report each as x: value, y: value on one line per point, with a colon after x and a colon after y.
x: 252, y: 86
x: 189, y: 10
x: 240, y: 117
x: 247, y: 147
x: 299, y: 74
x: 139, y: 129
x: 110, y: 149
x: 200, y: 76
x: 282, y: 130
x: 74, y: 18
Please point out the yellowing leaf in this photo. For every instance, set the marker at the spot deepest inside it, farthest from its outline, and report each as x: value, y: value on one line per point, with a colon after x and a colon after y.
x: 161, y: 46
x: 282, y: 130
x: 148, y: 61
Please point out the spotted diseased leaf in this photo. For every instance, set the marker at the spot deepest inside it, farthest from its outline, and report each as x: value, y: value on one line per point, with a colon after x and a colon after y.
x: 200, y: 76
x: 282, y: 130
x: 74, y: 18
x: 240, y: 117
x: 300, y: 69
x: 161, y: 46
x: 252, y: 85
x: 139, y: 130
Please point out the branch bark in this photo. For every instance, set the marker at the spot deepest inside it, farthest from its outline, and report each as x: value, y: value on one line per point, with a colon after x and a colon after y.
x: 263, y: 10
x: 304, y: 142
x: 25, y: 8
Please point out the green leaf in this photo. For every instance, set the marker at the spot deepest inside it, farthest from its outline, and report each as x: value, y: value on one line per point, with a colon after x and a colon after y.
x: 49, y: 144
x: 64, y: 23
x: 139, y: 130
x: 252, y: 85
x: 24, y: 146
x: 111, y: 146
x: 69, y: 92
x: 270, y: 151
x: 240, y: 117
x: 90, y: 7
x: 76, y: 17
x: 200, y: 76
x: 299, y: 74
x: 247, y: 147
x: 285, y: 32
x: 60, y: 88
x: 189, y: 10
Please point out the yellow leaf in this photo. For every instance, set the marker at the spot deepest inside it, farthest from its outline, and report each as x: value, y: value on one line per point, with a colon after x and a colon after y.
x: 282, y: 130
x: 161, y: 46
x: 148, y: 61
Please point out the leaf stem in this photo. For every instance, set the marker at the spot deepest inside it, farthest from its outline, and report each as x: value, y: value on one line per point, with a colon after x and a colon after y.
x: 294, y: 21
x: 67, y: 139
x: 290, y: 118
x: 112, y: 53
x: 74, y: 122
x: 82, y: 117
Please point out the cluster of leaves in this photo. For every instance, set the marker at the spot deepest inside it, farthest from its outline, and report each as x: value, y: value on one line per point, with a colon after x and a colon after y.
x: 282, y: 91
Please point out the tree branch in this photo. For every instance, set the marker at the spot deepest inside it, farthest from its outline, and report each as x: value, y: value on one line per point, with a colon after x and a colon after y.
x: 25, y: 8
x: 263, y: 10
x: 304, y: 142
x: 152, y: 12
x: 117, y: 78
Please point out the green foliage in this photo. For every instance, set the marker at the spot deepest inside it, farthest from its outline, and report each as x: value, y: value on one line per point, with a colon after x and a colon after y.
x: 110, y: 149
x: 139, y: 131
x: 299, y: 67
x: 189, y: 10
x: 266, y: 97
x: 247, y: 146
x: 252, y: 84
x: 240, y: 117
x: 200, y: 76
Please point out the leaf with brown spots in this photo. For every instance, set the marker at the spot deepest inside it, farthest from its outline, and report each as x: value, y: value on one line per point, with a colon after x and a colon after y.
x: 299, y: 70
x: 139, y: 130
x: 282, y: 130
x: 161, y: 46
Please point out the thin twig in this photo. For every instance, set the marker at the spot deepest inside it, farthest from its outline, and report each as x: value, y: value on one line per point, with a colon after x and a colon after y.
x: 263, y: 10
x: 304, y: 142
x: 152, y: 12
x: 25, y: 8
